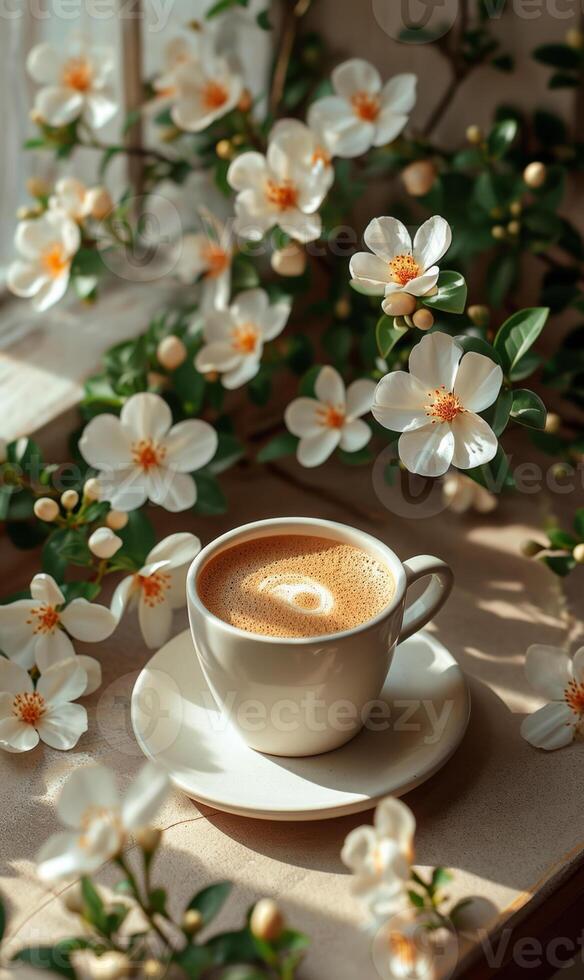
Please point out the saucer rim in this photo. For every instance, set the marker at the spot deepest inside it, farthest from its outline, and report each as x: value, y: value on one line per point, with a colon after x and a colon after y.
x: 300, y: 813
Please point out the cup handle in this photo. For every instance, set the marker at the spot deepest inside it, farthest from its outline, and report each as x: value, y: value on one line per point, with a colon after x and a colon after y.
x: 433, y: 597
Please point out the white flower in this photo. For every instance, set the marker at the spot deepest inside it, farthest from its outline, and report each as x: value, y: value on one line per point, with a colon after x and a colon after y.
x: 207, y: 254
x: 409, y: 946
x: 178, y: 52
x: 235, y: 337
x: 396, y: 265
x: 74, y: 85
x: 103, y: 543
x: 460, y: 493
x: 71, y: 197
x: 142, y: 456
x: 278, y: 189
x: 307, y: 145
x: 331, y: 419
x: 206, y: 89
x: 363, y: 112
x: 28, y: 714
x: 159, y: 587
x: 380, y: 857
x: 560, y: 679
x: 435, y: 406
x: 111, y: 965
x: 46, y: 246
x: 98, y: 821
x: 35, y: 631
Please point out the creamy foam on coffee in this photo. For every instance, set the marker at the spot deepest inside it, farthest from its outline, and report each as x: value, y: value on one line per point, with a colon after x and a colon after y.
x: 294, y: 585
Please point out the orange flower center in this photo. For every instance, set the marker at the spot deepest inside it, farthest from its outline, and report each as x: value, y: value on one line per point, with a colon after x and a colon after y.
x: 445, y: 407
x: 147, y: 454
x: 404, y: 269
x: 403, y: 950
x: 103, y: 816
x: 365, y: 106
x: 29, y: 707
x: 283, y: 195
x: 320, y: 155
x: 45, y: 619
x: 54, y: 260
x: 574, y: 697
x: 331, y: 416
x: 154, y: 587
x: 216, y: 259
x: 77, y: 74
x: 214, y: 95
x: 245, y: 338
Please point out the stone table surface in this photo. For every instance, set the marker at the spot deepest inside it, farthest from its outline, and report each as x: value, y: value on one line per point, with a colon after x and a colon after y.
x: 505, y: 818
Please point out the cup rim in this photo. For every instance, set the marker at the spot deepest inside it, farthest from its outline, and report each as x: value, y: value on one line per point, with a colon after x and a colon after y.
x: 230, y: 537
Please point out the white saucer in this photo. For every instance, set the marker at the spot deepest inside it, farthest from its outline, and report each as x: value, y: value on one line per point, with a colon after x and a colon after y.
x: 177, y: 723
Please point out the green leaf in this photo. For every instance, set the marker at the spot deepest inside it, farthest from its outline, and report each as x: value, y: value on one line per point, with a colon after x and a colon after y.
x: 497, y: 415
x: 517, y: 335
x: 194, y: 960
x: 416, y: 900
x: 87, y: 262
x: 501, y: 277
x: 579, y: 522
x: 478, y: 345
x: 281, y: 445
x: 561, y: 540
x: 263, y: 20
x: 233, y: 947
x: 494, y: 476
x: 93, y: 907
x: 526, y: 366
x: 562, y: 80
x: 138, y: 536
x: 440, y: 877
x: 387, y: 334
x: 221, y: 6
x: 54, y: 959
x: 558, y: 56
x: 559, y: 564
x: 528, y: 409
x: 210, y: 900
x: 501, y: 137
x: 229, y: 450
x: 244, y: 273
x: 451, y: 295
x: 157, y: 900
x: 308, y: 381
x: 210, y: 496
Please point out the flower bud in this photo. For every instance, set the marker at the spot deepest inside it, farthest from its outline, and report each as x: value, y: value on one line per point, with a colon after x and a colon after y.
x: 72, y: 898
x: 153, y: 969
x: 46, y: 509
x: 479, y: 315
x: 156, y: 380
x: 171, y: 352
x: 535, y: 174
x: 37, y: 187
x: 498, y: 232
x: 69, y: 499
x: 474, y: 135
x: 91, y: 489
x: 148, y: 838
x: 116, y: 520
x: 575, y: 39
x: 169, y: 134
x: 400, y: 304
x: 103, y: 543
x: 266, y: 922
x: 529, y: 548
x: 99, y: 202
x: 514, y: 228
x: 578, y: 553
x: 553, y: 423
x: 290, y: 260
x: 245, y: 101
x: 423, y: 319
x: 342, y: 308
x: 211, y: 376
x: 36, y: 117
x: 111, y: 966
x: 418, y: 177
x: 224, y: 150
x: 27, y: 213
x: 516, y: 208
x: 192, y: 921
x: 3, y: 450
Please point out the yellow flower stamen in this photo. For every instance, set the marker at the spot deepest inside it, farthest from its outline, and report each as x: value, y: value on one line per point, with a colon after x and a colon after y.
x: 47, y: 619
x: 215, y: 258
x: 244, y: 338
x: 147, y: 454
x: 404, y: 268
x: 444, y: 407
x: 365, y: 106
x: 54, y: 261
x: 153, y: 587
x: 331, y: 416
x: 214, y: 95
x: 283, y: 195
x: 29, y: 707
x: 77, y: 74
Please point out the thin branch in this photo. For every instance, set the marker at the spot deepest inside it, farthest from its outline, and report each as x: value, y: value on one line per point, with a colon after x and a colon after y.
x: 132, y: 151
x: 292, y: 14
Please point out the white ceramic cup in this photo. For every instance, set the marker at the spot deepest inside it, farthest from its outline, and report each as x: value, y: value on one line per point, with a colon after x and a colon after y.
x: 303, y: 696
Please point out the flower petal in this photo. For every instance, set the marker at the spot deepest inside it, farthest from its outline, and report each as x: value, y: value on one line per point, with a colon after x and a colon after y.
x: 475, y: 441
x: 190, y: 445
x: 87, y: 786
x: 92, y: 668
x: 435, y: 361
x: 399, y: 402
x: 17, y: 736
x: 330, y: 387
x: 578, y: 666
x: 25, y: 279
x: 548, y: 670
x: 88, y: 621
x: 177, y: 549
x: 395, y: 820
x: 301, y: 417
x: 399, y: 93
x: 105, y: 443
x: 145, y: 796
x: 99, y: 108
x: 359, y: 843
x: 17, y: 638
x: 51, y: 648
x: 250, y: 305
x: 344, y: 134
x: 551, y: 727
x: 370, y: 268
x: 217, y: 356
x: 355, y: 75
x: 360, y: 395
x: 389, y: 126
x: 428, y: 450
x: 387, y: 237
x: 63, y: 726
x: 63, y: 681
x: 58, y: 105
x: 478, y: 381
x: 315, y: 449
x: 155, y: 623
x: 125, y: 489
x: 50, y: 293
x: 122, y: 596
x: 421, y: 285
x: 172, y: 490
x: 432, y: 241
x: 240, y: 375
x: 146, y: 416
x: 354, y: 435
x: 14, y: 679
x: 44, y: 64
x: 247, y: 170
x: 303, y: 227
x: 62, y: 856
x: 275, y: 319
